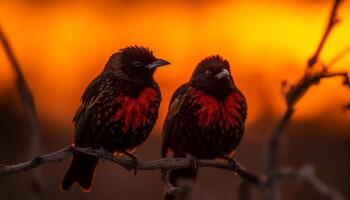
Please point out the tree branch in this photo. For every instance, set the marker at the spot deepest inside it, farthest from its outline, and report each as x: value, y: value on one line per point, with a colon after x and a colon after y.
x: 339, y: 56
x: 333, y: 20
x: 28, y: 103
x: 166, y: 164
x: 292, y: 96
x: 307, y: 173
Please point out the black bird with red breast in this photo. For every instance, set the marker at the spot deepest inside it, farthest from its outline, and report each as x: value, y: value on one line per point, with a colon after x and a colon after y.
x: 118, y: 111
x: 206, y: 117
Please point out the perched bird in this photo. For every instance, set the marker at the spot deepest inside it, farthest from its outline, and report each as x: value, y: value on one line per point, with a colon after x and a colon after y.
x: 118, y: 111
x: 206, y: 117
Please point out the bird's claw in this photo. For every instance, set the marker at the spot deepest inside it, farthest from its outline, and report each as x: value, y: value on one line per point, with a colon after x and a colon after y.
x: 233, y: 164
x: 105, y: 154
x: 135, y: 163
x: 134, y: 160
x: 194, y: 161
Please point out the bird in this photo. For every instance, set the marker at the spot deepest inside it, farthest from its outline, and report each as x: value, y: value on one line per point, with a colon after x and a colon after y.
x: 117, y: 113
x: 206, y: 118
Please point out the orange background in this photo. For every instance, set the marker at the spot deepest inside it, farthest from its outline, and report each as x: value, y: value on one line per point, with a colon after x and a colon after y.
x: 62, y: 46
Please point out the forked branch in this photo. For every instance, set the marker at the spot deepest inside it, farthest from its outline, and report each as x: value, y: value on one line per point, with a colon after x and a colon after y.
x: 295, y: 92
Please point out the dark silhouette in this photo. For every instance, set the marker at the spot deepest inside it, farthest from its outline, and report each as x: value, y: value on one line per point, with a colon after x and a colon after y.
x: 118, y: 111
x: 206, y: 117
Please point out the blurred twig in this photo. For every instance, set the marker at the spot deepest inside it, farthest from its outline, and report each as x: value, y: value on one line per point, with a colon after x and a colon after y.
x: 333, y: 20
x: 307, y: 173
x: 292, y: 96
x: 30, y: 111
x: 165, y: 164
x: 339, y: 56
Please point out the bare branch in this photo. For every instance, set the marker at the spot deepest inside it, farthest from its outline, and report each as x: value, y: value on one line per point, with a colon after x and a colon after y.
x: 339, y: 56
x: 29, y: 108
x: 333, y: 20
x: 307, y: 173
x: 344, y: 75
x: 166, y: 164
x: 292, y: 96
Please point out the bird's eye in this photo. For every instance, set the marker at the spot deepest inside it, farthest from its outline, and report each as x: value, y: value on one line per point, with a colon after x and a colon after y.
x: 208, y: 73
x: 137, y: 63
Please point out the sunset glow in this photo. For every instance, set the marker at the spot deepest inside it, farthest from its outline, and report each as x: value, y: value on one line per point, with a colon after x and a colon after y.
x: 63, y: 46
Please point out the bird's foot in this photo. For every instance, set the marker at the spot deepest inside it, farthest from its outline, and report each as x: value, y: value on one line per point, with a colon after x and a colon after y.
x: 106, y: 155
x: 134, y: 160
x: 194, y: 161
x: 232, y: 163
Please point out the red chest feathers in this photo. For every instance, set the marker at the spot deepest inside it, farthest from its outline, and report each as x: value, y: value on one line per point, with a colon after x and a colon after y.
x: 135, y: 111
x: 226, y: 113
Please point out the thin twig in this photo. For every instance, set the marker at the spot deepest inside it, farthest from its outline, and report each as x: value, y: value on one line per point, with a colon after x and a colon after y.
x: 166, y: 164
x: 339, y: 56
x: 307, y: 173
x: 30, y: 111
x: 333, y: 20
x: 344, y: 75
x: 292, y: 96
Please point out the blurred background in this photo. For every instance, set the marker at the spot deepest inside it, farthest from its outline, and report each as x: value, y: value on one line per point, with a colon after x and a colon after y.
x: 63, y: 45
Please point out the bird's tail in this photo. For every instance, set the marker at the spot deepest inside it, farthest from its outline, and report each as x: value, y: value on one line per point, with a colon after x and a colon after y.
x: 179, y: 175
x: 81, y: 171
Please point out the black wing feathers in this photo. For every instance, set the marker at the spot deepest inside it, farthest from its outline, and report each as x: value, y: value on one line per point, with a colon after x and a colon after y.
x: 91, y: 99
x: 174, y: 107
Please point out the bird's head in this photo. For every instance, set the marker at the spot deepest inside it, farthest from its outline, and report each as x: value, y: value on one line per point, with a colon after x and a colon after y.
x: 212, y: 75
x: 136, y: 62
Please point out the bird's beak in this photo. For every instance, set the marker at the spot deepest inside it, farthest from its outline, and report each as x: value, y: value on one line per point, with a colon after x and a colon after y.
x: 157, y: 63
x: 223, y: 74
